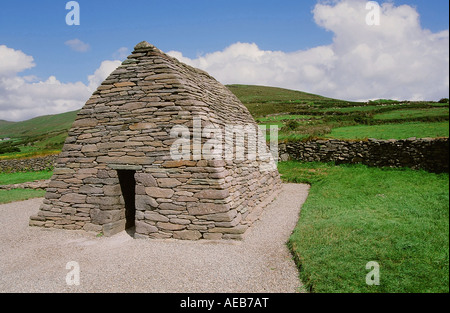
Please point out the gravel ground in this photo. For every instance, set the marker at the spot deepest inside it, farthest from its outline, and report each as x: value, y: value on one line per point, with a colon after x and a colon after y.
x: 34, y: 259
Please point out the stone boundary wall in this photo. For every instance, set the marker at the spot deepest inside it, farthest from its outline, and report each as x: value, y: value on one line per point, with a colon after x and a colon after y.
x: 28, y: 165
x: 427, y: 154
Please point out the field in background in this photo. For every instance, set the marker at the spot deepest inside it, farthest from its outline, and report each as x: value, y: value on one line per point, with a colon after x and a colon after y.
x: 35, y: 137
x: 302, y: 116
x: 355, y: 215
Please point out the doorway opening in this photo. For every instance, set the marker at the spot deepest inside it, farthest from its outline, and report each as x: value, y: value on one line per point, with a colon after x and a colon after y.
x: 128, y: 187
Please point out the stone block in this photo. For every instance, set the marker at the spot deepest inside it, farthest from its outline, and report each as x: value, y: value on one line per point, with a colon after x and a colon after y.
x: 170, y: 206
x: 124, y: 84
x: 170, y: 226
x: 206, y: 208
x: 73, y: 198
x: 168, y: 182
x: 92, y: 227
x: 173, y: 164
x: 145, y: 179
x: 216, y: 194
x: 187, y: 235
x: 144, y: 228
x: 155, y: 217
x: 113, y: 228
x: 233, y: 223
x: 220, y: 217
x: 88, y: 189
x: 101, y: 217
x: 103, y: 200
x: 156, y: 192
x: 180, y: 221
x: 140, y: 126
x: 112, y: 190
x: 85, y: 122
x: 212, y: 236
x: 145, y: 202
x: 240, y: 229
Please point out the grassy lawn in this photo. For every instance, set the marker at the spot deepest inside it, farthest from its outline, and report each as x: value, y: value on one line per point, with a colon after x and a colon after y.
x: 279, y: 118
x: 13, y: 195
x: 355, y: 214
x: 352, y: 109
x: 17, y: 178
x: 412, y: 113
x: 392, y: 131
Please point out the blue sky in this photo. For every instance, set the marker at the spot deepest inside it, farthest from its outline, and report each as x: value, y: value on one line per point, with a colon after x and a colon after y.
x: 193, y: 27
x: 196, y: 29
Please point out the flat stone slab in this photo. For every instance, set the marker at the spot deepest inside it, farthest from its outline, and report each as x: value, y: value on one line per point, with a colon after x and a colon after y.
x: 37, y: 184
x: 34, y: 259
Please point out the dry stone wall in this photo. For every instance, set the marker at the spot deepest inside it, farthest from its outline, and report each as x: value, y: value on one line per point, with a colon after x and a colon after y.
x: 427, y: 154
x: 125, y: 127
x: 45, y: 163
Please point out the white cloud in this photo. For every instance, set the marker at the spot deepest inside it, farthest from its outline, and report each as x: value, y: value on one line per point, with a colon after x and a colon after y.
x: 397, y: 59
x: 121, y: 53
x: 26, y: 97
x: 100, y: 74
x: 12, y: 61
x: 77, y: 45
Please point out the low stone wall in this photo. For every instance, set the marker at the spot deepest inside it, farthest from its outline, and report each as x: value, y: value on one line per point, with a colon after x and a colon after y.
x: 28, y: 165
x: 37, y: 184
x: 427, y: 154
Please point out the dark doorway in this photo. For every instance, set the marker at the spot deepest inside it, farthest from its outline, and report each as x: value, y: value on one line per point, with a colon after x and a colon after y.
x: 128, y: 186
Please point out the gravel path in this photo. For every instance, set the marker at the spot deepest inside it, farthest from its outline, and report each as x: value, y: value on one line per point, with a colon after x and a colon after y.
x: 34, y: 259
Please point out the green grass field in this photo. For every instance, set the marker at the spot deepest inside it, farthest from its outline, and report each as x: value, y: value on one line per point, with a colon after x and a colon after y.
x: 392, y: 131
x: 18, y: 178
x: 13, y: 195
x: 38, y: 136
x: 412, y: 113
x: 38, y: 125
x: 278, y: 118
x: 7, y: 196
x: 355, y: 214
x: 263, y: 94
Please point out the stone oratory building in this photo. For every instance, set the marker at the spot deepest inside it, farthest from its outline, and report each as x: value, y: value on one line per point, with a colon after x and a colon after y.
x: 121, y: 167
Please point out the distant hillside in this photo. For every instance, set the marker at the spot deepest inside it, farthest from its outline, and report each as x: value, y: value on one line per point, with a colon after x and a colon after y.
x: 262, y: 101
x: 253, y: 94
x: 3, y: 122
x: 37, y: 136
x: 38, y: 125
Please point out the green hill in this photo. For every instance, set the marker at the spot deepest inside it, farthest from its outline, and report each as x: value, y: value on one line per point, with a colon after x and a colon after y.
x: 262, y: 101
x: 39, y: 135
x: 38, y: 125
x: 261, y: 94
